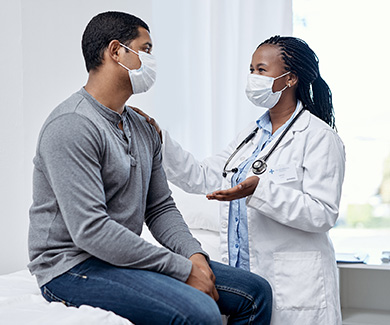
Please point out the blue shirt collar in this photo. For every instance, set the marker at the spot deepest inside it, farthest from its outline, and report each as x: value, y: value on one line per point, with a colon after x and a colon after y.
x: 264, y: 122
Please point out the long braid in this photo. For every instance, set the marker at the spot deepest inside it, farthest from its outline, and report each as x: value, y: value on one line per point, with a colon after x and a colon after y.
x: 312, y: 91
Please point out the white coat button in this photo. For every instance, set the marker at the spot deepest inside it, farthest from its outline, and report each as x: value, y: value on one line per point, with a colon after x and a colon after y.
x: 224, y: 224
x: 242, y: 158
x: 224, y: 260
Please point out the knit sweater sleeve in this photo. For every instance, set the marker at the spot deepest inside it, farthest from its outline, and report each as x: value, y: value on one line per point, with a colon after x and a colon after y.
x: 69, y: 150
x: 162, y: 217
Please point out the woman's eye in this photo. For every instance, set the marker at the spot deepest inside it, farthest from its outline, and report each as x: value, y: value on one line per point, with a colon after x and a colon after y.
x: 251, y: 70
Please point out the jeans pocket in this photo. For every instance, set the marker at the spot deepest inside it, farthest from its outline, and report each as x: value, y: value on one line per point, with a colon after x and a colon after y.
x: 50, y: 297
x: 299, y: 280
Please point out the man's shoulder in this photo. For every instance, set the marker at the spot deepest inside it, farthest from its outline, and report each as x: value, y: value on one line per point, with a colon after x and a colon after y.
x: 73, y: 104
x: 144, y: 126
x: 74, y: 116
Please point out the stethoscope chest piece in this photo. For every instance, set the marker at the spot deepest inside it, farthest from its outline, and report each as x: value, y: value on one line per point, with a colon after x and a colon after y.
x: 259, y: 166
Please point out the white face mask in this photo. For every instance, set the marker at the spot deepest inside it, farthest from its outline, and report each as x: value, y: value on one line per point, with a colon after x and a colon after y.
x: 143, y: 78
x: 259, y: 90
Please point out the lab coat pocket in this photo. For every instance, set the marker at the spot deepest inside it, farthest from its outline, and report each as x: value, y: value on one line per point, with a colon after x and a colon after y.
x: 299, y: 280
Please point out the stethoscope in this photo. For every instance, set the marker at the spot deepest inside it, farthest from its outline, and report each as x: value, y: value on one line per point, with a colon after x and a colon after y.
x: 259, y: 166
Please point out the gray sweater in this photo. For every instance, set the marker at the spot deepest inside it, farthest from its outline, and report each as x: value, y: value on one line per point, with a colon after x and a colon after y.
x: 94, y: 186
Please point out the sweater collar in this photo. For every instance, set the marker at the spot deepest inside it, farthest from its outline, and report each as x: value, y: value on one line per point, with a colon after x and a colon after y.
x: 106, y: 112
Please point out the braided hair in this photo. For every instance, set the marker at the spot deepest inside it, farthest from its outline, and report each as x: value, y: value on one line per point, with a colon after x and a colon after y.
x: 312, y: 91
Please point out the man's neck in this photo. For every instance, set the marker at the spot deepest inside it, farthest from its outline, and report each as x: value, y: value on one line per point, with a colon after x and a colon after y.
x: 108, y: 92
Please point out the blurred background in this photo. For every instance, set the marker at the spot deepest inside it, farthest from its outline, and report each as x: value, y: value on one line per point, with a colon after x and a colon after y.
x: 203, y: 50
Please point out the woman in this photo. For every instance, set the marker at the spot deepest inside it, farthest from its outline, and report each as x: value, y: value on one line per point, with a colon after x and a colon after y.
x: 276, y: 224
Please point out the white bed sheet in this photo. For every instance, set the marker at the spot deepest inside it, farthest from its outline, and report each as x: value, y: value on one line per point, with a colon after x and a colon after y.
x: 22, y: 303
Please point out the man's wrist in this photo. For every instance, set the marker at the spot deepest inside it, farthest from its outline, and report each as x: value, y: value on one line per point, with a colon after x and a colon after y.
x: 199, y: 257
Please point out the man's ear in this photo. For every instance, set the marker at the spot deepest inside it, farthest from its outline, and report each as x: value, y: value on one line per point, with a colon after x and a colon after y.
x: 292, y: 80
x: 113, y: 50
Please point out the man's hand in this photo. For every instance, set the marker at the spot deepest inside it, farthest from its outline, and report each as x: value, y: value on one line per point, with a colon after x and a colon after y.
x: 201, y: 276
x: 243, y: 189
x: 150, y: 120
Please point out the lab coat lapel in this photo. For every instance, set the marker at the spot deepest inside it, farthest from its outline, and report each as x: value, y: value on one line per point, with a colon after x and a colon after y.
x: 301, y: 124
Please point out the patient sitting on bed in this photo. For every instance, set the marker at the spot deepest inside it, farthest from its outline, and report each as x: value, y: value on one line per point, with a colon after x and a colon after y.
x: 98, y: 177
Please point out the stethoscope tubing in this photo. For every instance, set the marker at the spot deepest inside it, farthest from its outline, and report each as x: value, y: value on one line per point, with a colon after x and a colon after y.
x: 259, y: 166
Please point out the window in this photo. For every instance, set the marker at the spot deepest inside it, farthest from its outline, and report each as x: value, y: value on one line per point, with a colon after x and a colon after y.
x: 350, y: 38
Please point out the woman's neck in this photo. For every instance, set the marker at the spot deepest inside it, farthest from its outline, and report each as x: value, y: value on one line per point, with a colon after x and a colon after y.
x: 281, y: 113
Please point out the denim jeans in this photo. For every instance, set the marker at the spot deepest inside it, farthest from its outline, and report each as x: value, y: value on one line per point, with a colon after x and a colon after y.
x: 146, y: 297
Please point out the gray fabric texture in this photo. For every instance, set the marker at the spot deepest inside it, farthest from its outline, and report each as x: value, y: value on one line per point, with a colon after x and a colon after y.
x: 94, y: 186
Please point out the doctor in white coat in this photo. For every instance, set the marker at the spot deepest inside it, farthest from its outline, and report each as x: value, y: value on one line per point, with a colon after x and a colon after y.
x: 276, y: 223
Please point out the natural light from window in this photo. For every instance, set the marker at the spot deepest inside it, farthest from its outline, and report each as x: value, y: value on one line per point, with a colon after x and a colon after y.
x: 350, y: 38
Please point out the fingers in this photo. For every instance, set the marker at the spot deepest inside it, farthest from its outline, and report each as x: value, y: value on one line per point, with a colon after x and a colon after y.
x: 227, y: 195
x: 215, y: 294
x: 148, y: 118
x: 245, y: 188
x: 202, y: 281
x: 140, y: 112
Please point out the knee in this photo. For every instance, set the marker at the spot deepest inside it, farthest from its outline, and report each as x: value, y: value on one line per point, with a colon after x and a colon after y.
x: 203, y: 312
x: 263, y: 291
x: 209, y: 314
x: 263, y: 297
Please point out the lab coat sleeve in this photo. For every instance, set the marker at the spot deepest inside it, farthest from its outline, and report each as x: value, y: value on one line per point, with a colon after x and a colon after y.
x: 185, y: 171
x: 315, y: 208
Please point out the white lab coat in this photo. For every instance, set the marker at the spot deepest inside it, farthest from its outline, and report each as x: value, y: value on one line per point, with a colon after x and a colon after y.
x: 289, y: 215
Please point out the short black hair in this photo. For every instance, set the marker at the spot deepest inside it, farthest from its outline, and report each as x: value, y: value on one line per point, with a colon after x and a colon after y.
x: 102, y: 29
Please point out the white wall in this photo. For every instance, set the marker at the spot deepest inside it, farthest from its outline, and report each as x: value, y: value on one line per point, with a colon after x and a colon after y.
x: 13, y: 216
x: 203, y: 50
x: 41, y: 64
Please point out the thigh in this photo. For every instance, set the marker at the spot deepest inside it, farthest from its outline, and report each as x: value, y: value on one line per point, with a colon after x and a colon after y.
x: 141, y: 296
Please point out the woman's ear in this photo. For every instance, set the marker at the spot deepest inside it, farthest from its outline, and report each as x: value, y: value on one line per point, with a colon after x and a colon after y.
x: 292, y: 80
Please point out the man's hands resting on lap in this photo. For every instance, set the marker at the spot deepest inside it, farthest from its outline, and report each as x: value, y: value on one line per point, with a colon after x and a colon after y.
x: 202, y: 277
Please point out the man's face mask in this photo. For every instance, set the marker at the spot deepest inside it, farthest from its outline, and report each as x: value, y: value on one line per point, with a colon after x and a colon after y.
x: 143, y: 78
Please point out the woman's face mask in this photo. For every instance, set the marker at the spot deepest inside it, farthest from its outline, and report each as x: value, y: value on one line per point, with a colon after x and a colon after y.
x: 143, y: 78
x: 259, y: 90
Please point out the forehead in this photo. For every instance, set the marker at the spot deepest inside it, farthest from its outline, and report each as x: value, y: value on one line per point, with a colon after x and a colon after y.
x: 143, y: 37
x: 269, y: 55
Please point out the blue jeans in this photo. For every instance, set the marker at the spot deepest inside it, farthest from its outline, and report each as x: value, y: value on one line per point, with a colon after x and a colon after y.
x: 146, y: 297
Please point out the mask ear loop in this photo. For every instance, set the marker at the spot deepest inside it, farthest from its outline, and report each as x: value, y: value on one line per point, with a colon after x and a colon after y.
x: 122, y: 65
x: 126, y: 47
x: 283, y: 89
x: 284, y: 74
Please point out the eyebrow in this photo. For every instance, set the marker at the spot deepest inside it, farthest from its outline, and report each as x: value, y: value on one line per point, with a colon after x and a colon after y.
x: 259, y: 65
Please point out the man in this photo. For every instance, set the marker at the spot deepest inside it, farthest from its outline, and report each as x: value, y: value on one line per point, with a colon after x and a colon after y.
x: 97, y: 178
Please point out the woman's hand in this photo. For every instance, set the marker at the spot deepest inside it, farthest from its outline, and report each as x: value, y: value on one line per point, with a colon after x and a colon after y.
x: 150, y: 120
x: 243, y: 189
